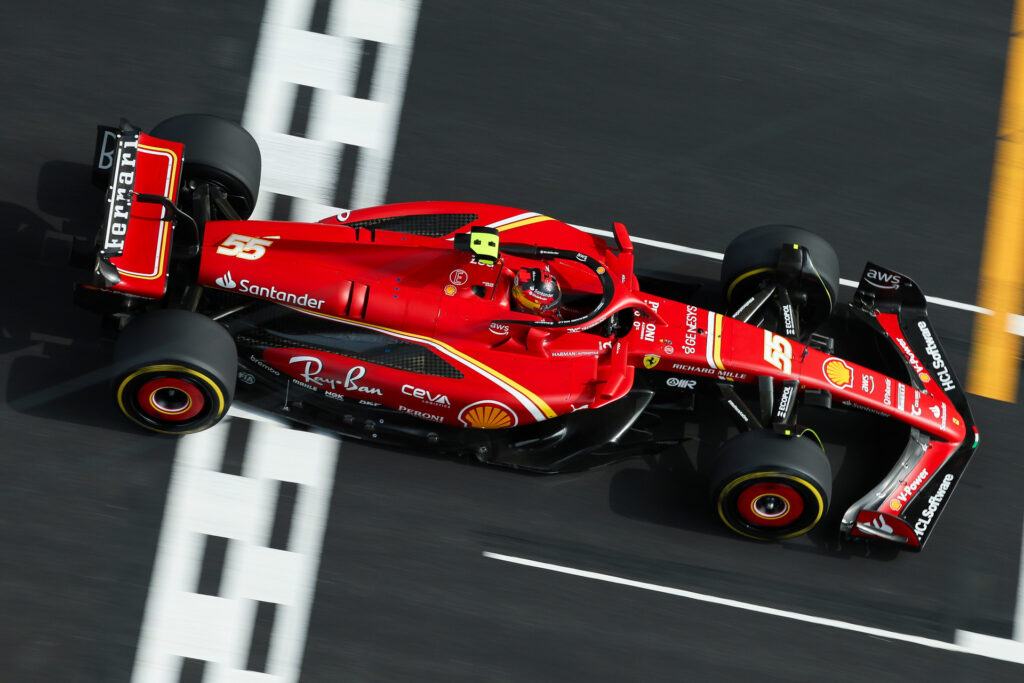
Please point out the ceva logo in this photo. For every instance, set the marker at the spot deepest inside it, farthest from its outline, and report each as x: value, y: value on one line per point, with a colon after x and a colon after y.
x: 225, y: 281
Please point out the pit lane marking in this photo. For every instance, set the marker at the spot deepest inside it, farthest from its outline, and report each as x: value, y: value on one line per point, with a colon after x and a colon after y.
x: 1012, y: 651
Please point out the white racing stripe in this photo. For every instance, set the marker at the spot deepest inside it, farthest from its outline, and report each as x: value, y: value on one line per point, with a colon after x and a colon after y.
x: 709, y: 348
x: 1012, y: 652
x: 464, y: 361
x: 513, y: 219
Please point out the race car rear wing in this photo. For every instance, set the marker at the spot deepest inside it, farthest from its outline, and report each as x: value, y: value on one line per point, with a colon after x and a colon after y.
x: 142, y: 177
x: 904, y: 506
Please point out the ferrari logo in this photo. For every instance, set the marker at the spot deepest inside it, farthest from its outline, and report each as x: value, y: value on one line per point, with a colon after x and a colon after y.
x: 651, y: 360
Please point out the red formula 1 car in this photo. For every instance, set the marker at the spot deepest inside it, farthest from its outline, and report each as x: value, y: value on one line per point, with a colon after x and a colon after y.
x: 509, y: 336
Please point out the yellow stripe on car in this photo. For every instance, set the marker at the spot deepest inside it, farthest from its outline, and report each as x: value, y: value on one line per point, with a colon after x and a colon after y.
x: 538, y: 403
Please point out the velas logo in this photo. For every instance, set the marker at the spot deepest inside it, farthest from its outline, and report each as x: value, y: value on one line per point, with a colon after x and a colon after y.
x: 225, y: 281
x: 838, y: 373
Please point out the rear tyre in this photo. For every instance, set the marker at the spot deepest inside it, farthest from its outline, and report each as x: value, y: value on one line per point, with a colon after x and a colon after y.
x: 768, y: 487
x: 751, y: 262
x: 175, y: 372
x: 219, y: 152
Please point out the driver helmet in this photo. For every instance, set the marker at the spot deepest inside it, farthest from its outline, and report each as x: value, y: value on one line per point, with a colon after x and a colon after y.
x: 536, y: 291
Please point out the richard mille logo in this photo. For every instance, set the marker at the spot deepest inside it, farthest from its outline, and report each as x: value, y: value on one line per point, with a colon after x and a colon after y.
x: 225, y: 281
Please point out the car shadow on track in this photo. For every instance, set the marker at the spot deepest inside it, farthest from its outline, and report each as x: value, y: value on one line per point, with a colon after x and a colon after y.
x: 57, y: 356
x: 672, y: 490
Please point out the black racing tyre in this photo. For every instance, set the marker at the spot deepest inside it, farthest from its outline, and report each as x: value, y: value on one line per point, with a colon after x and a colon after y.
x: 217, y: 151
x: 752, y: 259
x: 176, y: 371
x: 769, y: 487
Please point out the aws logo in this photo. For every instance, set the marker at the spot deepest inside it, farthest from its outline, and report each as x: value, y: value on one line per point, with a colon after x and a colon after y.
x: 883, y: 279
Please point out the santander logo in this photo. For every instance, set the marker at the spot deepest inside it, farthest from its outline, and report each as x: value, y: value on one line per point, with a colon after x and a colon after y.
x: 225, y: 281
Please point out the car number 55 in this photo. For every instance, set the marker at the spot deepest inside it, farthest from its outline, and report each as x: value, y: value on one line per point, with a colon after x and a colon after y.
x: 244, y: 247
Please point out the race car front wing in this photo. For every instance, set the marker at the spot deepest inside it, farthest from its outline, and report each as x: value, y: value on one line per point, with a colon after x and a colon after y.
x: 905, y: 505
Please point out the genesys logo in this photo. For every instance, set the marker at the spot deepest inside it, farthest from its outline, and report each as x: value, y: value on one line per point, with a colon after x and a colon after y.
x: 883, y: 279
x: 225, y: 281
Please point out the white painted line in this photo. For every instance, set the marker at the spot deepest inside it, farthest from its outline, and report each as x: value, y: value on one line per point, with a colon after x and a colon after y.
x: 1018, y: 622
x: 201, y: 500
x: 1004, y: 655
x: 1012, y: 326
x: 668, y: 246
x: 1015, y: 324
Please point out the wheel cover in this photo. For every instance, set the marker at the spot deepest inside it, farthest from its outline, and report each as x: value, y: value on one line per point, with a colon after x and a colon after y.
x: 770, y: 505
x: 171, y: 399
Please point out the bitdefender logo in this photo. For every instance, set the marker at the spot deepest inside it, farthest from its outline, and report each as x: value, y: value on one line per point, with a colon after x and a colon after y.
x: 225, y: 281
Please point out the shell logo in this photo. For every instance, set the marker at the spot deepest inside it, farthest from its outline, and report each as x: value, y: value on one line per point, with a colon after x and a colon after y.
x: 838, y: 373
x: 925, y: 377
x: 488, y: 415
x: 895, y: 505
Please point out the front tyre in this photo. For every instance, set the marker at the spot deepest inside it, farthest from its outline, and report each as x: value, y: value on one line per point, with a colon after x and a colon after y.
x: 768, y: 487
x: 176, y: 372
x: 751, y: 263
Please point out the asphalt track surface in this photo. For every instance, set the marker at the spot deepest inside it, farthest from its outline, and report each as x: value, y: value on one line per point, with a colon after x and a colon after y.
x: 873, y: 124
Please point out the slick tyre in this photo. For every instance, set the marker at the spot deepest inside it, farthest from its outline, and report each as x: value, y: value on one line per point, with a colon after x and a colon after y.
x: 751, y: 261
x: 217, y: 151
x: 175, y: 372
x: 768, y: 488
